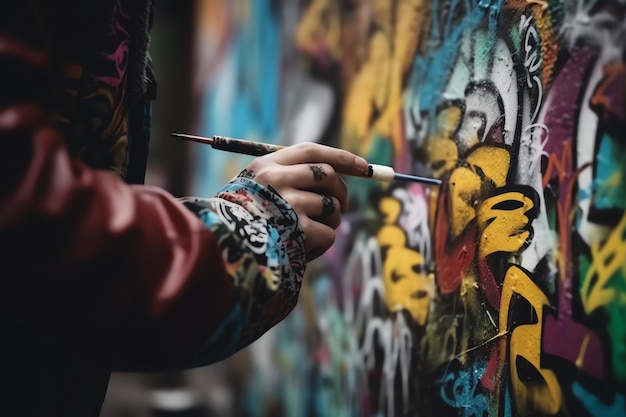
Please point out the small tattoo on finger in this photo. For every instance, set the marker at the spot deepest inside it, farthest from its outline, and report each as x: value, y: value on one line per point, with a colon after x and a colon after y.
x: 318, y: 172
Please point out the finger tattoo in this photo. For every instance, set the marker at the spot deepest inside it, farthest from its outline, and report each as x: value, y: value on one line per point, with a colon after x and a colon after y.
x: 318, y: 172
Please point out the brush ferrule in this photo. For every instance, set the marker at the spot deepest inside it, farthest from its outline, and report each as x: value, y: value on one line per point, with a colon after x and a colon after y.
x: 381, y: 172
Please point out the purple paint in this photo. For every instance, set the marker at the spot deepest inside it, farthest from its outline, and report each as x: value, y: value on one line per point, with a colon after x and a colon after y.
x: 562, y: 336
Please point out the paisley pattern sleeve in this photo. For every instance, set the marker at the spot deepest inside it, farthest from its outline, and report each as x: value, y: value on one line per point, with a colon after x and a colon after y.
x: 262, y: 247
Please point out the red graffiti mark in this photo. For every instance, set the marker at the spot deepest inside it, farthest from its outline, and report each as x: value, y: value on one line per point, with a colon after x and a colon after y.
x: 322, y: 355
x: 489, y: 378
x: 453, y: 259
x: 496, y: 134
x: 609, y: 97
x: 488, y: 282
x: 401, y: 151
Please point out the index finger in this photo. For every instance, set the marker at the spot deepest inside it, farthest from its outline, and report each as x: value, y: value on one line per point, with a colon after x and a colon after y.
x: 344, y: 162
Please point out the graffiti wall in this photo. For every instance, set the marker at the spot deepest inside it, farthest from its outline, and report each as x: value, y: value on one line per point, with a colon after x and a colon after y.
x: 500, y: 293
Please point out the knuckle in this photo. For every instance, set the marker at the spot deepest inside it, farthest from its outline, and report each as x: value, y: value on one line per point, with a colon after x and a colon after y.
x: 267, y: 176
x: 307, y: 146
x: 324, y: 170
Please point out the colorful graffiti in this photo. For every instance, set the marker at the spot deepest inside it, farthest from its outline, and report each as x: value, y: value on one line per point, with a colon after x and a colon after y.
x: 501, y: 293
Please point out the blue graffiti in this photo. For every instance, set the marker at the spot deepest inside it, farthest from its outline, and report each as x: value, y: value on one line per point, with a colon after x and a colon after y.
x: 507, y: 403
x: 610, y: 171
x: 459, y: 389
x: 339, y: 383
x: 432, y: 70
x: 597, y: 407
x: 245, y: 101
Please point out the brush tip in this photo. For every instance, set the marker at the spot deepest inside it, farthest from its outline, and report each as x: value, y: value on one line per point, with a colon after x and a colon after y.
x: 193, y: 138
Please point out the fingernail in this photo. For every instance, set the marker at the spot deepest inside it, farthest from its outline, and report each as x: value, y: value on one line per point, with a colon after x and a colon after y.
x: 361, y: 164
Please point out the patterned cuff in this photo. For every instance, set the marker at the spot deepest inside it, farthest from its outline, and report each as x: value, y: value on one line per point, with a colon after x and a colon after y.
x: 266, y: 204
x: 245, y: 212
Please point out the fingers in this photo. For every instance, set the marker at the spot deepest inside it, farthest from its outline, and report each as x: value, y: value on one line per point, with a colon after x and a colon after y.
x: 319, y: 208
x: 322, y: 178
x: 342, y: 161
x: 307, y: 176
x: 316, y: 177
x: 319, y: 216
x: 319, y: 238
x: 328, y: 207
x: 326, y: 211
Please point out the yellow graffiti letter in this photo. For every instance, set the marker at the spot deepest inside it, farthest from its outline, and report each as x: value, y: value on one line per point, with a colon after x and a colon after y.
x: 607, y: 261
x: 525, y: 344
x: 407, y: 283
x: 504, y: 222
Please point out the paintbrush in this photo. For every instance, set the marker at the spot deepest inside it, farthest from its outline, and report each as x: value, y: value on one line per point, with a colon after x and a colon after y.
x: 248, y: 147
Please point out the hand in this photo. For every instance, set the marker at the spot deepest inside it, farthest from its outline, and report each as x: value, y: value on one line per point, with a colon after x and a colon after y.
x: 306, y: 175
